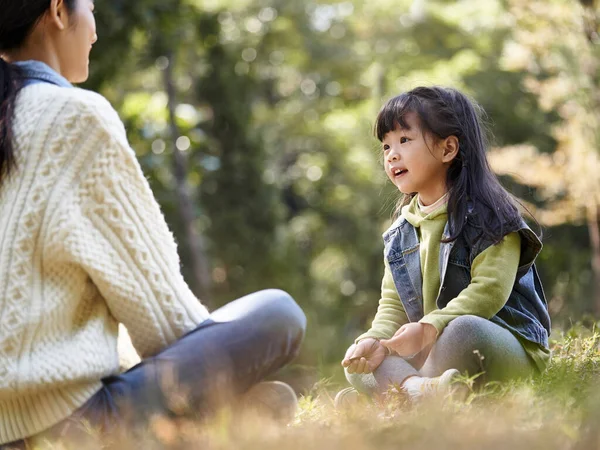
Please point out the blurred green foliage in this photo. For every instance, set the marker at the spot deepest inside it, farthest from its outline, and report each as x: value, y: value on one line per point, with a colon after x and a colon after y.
x: 275, y: 105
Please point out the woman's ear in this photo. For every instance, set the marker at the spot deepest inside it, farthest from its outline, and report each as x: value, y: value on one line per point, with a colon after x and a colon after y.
x: 450, y: 147
x: 57, y: 14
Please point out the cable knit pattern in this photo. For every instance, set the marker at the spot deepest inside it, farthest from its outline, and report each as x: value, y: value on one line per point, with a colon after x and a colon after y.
x: 83, y: 246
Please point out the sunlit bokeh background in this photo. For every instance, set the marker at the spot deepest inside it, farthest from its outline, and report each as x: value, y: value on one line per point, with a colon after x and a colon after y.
x: 253, y: 121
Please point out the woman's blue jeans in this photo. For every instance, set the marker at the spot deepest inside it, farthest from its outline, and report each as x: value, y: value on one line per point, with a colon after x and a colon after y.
x: 211, y: 366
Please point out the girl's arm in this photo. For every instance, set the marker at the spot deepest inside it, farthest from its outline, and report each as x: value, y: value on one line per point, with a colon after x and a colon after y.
x: 390, y: 313
x: 493, y: 274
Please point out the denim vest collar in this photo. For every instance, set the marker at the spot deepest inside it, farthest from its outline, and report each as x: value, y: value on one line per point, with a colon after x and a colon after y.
x: 531, y: 244
x: 38, y: 72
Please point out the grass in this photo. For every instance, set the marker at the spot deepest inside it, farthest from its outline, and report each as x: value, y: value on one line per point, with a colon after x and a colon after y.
x: 559, y: 410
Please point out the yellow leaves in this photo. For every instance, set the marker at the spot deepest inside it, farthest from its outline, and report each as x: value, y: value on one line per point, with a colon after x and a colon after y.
x: 515, y: 56
x: 550, y: 43
x: 555, y: 91
x: 470, y: 16
x: 340, y: 120
x: 567, y: 179
x: 448, y: 72
x: 559, y: 212
x: 218, y: 5
x: 145, y: 104
x: 528, y: 166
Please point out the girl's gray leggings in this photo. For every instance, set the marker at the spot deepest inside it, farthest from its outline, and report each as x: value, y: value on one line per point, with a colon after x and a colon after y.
x: 470, y: 344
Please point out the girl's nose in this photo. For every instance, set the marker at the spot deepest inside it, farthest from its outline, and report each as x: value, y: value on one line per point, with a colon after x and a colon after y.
x: 392, y: 156
x: 94, y: 38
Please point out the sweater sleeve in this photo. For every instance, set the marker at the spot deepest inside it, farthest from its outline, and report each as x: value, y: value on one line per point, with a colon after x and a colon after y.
x: 118, y: 234
x: 390, y: 313
x: 493, y: 275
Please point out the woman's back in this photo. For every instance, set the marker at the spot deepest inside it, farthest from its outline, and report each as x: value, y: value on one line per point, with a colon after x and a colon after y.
x: 83, y: 246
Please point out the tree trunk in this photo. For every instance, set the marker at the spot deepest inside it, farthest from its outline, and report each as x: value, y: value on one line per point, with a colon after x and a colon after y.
x: 593, y: 220
x: 591, y: 20
x: 199, y: 261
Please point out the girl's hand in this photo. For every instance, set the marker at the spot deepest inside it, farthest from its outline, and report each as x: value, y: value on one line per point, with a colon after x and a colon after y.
x: 411, y: 338
x: 364, y: 357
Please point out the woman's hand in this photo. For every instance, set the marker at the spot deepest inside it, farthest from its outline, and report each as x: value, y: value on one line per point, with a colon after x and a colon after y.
x: 364, y: 357
x: 411, y: 338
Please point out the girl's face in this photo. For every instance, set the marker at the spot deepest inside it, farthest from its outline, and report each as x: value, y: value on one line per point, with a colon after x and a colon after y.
x: 415, y: 163
x: 76, y: 42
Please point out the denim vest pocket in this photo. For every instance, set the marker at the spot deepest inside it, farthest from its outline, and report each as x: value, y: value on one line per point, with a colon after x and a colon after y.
x: 391, y: 252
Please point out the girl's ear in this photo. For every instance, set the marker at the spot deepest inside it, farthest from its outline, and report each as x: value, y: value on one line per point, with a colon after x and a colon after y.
x: 57, y: 14
x: 450, y: 147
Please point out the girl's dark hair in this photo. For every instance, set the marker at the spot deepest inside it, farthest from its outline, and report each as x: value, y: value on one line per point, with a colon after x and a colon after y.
x: 474, y: 192
x: 17, y: 20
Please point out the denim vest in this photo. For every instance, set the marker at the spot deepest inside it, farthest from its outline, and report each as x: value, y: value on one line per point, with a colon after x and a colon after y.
x: 34, y: 72
x: 525, y: 313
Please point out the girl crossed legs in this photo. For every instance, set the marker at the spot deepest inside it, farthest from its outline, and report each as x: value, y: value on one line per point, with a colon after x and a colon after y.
x: 469, y: 344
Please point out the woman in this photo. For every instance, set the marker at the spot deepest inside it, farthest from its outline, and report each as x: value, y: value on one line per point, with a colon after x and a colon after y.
x: 84, y: 247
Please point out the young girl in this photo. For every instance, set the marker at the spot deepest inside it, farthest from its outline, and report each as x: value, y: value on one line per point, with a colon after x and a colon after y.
x: 460, y: 291
x: 84, y: 246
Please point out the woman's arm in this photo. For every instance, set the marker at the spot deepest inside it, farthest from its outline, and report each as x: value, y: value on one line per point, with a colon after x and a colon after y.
x: 114, y: 229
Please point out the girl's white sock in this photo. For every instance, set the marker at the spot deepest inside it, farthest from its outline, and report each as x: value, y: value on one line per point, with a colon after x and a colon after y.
x: 417, y: 387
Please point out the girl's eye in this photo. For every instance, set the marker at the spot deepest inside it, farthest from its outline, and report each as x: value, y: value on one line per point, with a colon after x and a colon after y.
x: 403, y: 140
x: 386, y: 147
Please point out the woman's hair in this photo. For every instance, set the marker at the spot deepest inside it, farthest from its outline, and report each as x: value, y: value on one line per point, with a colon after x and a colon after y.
x: 17, y: 20
x: 474, y: 192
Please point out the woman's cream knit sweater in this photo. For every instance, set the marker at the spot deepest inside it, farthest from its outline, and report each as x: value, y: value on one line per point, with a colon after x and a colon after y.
x: 83, y: 246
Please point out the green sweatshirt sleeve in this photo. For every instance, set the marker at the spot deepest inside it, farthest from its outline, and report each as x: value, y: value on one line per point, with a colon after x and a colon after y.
x: 493, y: 274
x: 390, y: 313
